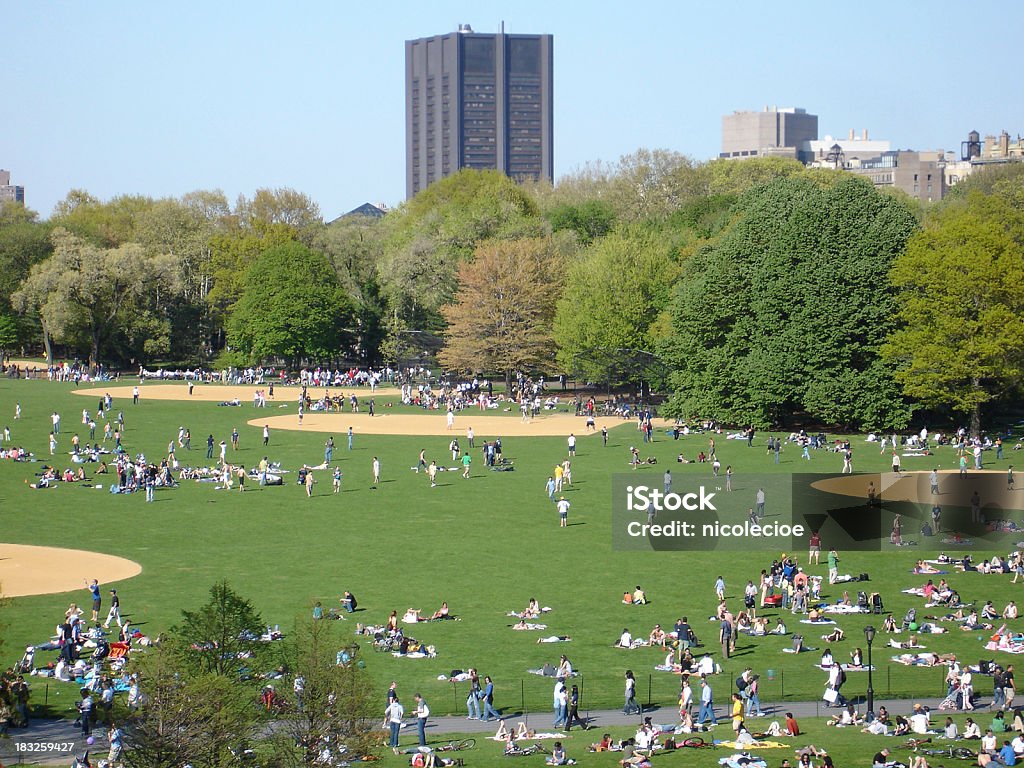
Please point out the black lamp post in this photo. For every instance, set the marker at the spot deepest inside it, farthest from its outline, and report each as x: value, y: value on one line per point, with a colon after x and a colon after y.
x: 869, y: 635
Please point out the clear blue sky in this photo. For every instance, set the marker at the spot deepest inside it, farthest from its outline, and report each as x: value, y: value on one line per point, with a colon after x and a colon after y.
x: 164, y: 98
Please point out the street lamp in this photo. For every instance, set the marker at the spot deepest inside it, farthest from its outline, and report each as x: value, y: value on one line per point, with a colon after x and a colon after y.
x: 869, y: 635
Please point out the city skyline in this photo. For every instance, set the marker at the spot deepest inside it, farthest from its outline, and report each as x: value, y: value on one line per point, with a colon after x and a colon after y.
x: 159, y: 101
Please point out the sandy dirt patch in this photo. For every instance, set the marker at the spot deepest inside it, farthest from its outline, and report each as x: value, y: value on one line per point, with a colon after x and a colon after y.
x: 28, y: 570
x: 220, y: 393
x: 483, y: 425
x: 912, y: 487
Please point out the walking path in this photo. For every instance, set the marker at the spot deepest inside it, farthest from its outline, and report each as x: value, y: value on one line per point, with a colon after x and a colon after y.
x: 52, y: 740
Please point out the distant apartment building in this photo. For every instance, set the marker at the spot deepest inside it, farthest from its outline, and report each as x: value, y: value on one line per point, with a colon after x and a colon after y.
x: 478, y: 101
x: 772, y: 132
x: 9, y: 192
x: 921, y: 175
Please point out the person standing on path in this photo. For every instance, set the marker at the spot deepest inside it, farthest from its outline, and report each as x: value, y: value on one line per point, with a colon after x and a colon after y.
x: 560, y: 703
x: 933, y: 480
x: 393, y: 716
x: 422, y: 713
x: 474, y: 697
x: 631, y: 707
x: 563, y: 512
x: 451, y: 419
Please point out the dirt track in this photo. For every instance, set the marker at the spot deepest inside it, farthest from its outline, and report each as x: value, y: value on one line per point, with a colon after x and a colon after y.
x: 220, y: 393
x: 28, y: 570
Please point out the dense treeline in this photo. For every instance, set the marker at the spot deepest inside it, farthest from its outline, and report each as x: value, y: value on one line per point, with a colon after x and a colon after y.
x: 750, y: 291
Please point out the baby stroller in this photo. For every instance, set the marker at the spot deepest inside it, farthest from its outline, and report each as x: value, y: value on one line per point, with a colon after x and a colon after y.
x: 24, y: 666
x: 876, y: 602
x: 909, y: 618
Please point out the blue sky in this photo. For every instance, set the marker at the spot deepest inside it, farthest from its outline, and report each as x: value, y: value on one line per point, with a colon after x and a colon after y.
x: 164, y: 98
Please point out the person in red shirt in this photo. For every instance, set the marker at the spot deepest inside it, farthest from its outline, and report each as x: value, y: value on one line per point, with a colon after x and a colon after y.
x: 792, y: 729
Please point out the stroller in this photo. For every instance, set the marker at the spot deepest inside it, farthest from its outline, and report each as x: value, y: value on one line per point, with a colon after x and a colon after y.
x: 876, y: 602
x: 909, y: 618
x: 25, y: 666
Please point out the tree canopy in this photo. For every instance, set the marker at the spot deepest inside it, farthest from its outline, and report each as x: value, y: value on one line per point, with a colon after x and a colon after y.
x: 501, y: 318
x: 961, y: 303
x: 292, y: 306
x: 786, y: 310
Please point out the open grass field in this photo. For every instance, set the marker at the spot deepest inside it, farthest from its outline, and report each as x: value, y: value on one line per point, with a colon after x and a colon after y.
x: 486, y: 545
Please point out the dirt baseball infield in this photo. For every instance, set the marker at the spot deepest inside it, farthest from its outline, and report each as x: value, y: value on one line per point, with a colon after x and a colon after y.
x: 28, y: 570
x: 484, y: 425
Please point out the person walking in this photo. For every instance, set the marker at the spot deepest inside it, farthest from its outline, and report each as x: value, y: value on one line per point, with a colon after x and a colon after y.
x: 350, y: 438
x: 376, y: 471
x: 490, y: 713
x: 574, y: 711
x: 707, y: 704
x: 336, y: 482
x: 631, y: 707
x: 115, y: 610
x: 209, y: 443
x: 234, y: 438
x: 393, y: 716
x: 266, y: 434
x: 309, y: 483
x: 422, y: 713
x: 467, y: 461
x: 560, y: 703
x: 474, y: 696
x: 329, y: 450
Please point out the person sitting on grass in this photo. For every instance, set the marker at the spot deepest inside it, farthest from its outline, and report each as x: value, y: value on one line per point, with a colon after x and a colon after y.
x: 558, y: 756
x: 625, y: 639
x: 657, y: 636
x: 441, y: 613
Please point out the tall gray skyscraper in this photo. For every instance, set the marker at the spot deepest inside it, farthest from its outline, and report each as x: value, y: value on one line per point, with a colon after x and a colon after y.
x: 478, y: 101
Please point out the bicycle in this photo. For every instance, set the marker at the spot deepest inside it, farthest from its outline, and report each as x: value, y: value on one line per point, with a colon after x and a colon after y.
x: 530, y: 750
x: 694, y: 742
x: 954, y: 753
x: 456, y: 746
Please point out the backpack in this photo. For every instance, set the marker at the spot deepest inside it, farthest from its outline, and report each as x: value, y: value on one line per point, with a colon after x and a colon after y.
x: 741, y: 684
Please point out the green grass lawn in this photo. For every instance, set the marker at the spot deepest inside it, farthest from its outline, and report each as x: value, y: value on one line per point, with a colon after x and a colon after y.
x: 486, y: 545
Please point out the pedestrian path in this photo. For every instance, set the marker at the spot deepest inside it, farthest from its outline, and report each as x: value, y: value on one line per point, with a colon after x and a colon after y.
x: 52, y: 740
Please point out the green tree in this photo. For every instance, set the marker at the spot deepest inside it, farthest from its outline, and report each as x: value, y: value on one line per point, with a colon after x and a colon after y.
x: 338, y: 704
x: 221, y: 636
x: 961, y: 303
x: 84, y: 293
x: 430, y: 235
x: 732, y: 177
x: 106, y: 225
x: 501, y: 318
x: 187, y: 717
x: 785, y: 311
x: 292, y: 307
x: 605, y: 321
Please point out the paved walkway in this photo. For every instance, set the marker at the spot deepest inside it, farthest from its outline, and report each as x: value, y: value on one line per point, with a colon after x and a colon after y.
x: 55, y: 740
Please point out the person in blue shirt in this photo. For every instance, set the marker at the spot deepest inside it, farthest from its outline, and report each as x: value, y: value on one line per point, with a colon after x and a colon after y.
x: 1006, y: 755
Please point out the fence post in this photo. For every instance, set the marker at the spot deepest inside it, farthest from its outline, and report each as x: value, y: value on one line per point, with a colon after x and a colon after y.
x: 455, y: 695
x: 888, y: 681
x: 649, y: 690
x: 522, y: 694
x: 782, y: 682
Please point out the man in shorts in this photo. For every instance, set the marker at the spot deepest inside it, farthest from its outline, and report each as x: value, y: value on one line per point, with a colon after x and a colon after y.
x: 563, y: 512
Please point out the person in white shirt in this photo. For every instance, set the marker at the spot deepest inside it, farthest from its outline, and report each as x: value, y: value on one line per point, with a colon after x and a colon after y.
x: 1010, y: 611
x: 625, y: 639
x: 971, y: 729
x: 989, y: 742
x: 919, y: 721
x: 949, y: 730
